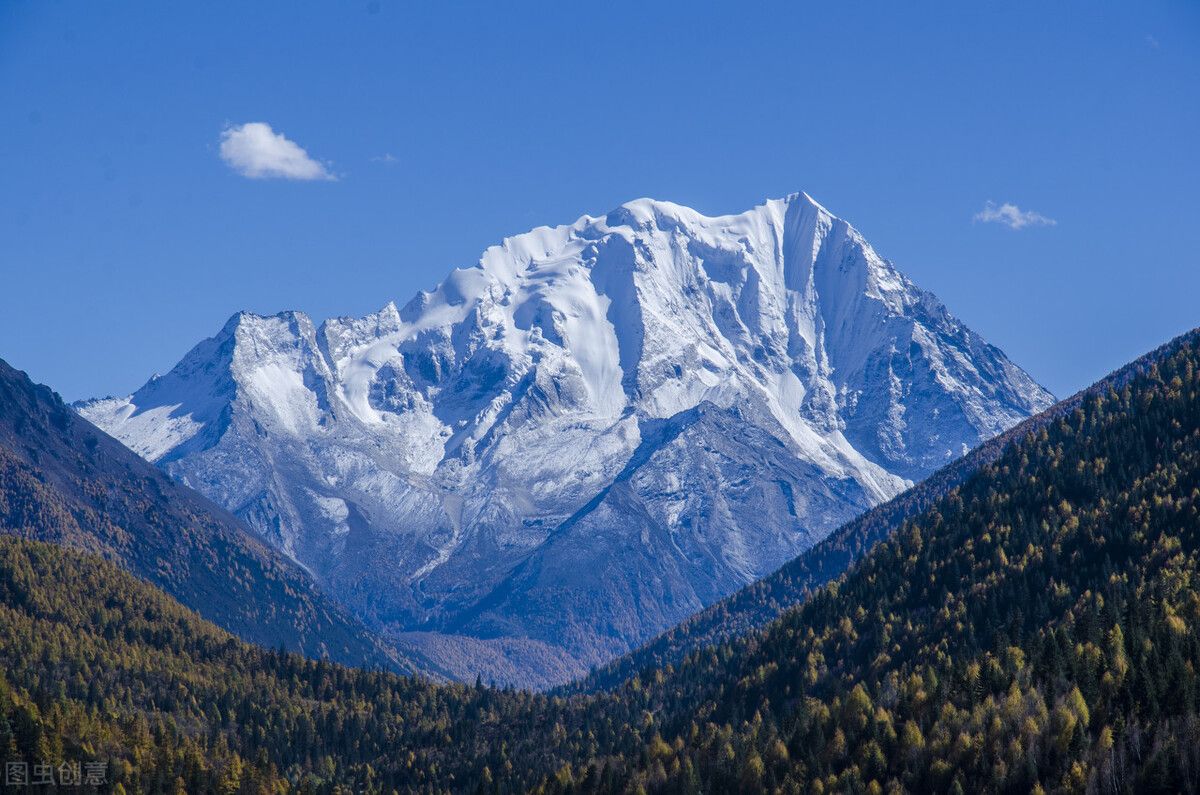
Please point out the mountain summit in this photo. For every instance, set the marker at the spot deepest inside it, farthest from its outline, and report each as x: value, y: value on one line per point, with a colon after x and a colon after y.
x: 596, y: 431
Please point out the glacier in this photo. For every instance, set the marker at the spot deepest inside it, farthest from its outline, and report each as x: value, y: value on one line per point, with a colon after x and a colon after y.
x: 596, y: 431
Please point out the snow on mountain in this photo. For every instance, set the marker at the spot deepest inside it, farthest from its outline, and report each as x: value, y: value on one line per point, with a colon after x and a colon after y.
x: 588, y: 436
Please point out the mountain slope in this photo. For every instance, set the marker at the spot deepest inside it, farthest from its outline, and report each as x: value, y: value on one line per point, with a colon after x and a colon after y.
x: 63, y: 480
x: 514, y: 459
x: 1033, y: 629
x: 761, y: 602
x: 98, y: 667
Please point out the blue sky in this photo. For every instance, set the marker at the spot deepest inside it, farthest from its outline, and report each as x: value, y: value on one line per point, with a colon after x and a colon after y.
x: 125, y: 237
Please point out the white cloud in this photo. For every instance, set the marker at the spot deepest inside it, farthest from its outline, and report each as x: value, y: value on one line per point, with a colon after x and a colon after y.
x: 387, y: 158
x: 256, y: 151
x: 1152, y: 41
x: 1011, y: 216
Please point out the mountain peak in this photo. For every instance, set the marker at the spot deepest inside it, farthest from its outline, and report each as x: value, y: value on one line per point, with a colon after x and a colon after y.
x: 646, y: 211
x: 247, y: 320
x: 449, y: 465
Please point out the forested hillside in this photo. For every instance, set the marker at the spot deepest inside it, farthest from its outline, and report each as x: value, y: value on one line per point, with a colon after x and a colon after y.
x: 64, y: 480
x: 98, y: 666
x: 1034, y: 629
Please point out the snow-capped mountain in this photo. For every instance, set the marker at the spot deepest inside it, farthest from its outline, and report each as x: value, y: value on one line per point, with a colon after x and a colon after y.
x: 593, y: 433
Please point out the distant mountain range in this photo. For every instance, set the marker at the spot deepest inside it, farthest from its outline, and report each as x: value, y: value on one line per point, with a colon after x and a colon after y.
x: 594, y: 433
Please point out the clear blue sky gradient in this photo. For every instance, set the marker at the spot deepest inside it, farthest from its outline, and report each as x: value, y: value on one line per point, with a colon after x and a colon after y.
x: 124, y: 239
